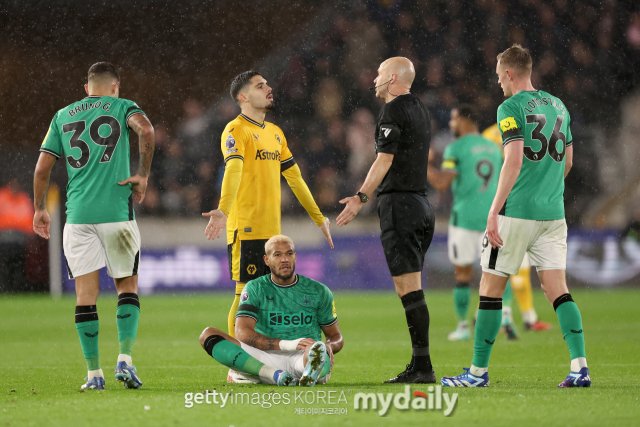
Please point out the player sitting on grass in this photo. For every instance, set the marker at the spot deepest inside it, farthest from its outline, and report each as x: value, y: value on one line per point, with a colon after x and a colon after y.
x: 278, y: 326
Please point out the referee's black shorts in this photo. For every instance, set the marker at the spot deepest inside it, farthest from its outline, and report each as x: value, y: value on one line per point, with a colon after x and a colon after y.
x: 407, y: 223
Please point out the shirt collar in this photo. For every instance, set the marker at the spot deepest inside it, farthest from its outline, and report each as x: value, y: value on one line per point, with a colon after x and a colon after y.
x: 252, y: 121
x: 295, y: 282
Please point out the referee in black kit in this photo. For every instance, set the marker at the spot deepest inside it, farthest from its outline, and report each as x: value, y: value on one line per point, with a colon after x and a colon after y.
x: 403, y: 136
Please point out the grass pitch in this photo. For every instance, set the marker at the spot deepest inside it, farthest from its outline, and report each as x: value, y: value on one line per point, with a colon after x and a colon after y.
x: 42, y: 368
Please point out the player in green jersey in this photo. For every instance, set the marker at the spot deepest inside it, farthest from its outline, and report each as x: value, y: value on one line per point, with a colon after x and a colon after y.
x: 280, y: 321
x: 92, y: 137
x: 470, y: 168
x: 527, y: 216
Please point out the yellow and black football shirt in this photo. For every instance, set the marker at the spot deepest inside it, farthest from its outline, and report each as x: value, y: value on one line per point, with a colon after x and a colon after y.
x: 262, y: 147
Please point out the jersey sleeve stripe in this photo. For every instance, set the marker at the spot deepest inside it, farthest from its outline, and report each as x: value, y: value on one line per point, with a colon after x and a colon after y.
x: 248, y: 307
x: 504, y: 144
x: 247, y: 315
x: 329, y: 324
x: 569, y: 144
x: 286, y: 164
x: 53, y: 153
x: 133, y: 113
x: 511, y: 133
x: 233, y: 157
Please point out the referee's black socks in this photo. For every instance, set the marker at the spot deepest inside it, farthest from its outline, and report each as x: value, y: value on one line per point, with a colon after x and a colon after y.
x: 415, y: 308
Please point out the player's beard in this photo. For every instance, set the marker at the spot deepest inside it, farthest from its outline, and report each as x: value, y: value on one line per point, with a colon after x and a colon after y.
x: 287, y: 277
x: 270, y: 106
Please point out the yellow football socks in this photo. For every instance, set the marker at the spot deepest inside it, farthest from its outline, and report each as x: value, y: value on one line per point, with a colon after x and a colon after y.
x: 231, y: 322
x: 521, y: 285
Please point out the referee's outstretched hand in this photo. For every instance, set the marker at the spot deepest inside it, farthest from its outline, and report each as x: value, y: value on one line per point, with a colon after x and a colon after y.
x: 350, y: 211
x: 325, y: 230
x: 217, y: 223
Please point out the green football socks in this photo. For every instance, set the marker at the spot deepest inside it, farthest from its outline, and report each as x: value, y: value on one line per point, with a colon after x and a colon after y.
x: 487, y: 328
x: 88, y: 328
x: 461, y: 294
x: 570, y: 324
x: 127, y: 316
x: 507, y: 297
x: 231, y: 355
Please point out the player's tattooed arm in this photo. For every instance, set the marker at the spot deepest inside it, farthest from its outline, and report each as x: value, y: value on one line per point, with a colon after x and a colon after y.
x: 246, y: 333
x: 262, y: 342
x: 142, y: 126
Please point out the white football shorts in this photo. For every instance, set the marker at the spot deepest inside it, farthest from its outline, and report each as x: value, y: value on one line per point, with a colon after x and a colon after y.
x: 544, y: 241
x: 464, y: 245
x: 290, y: 361
x: 89, y: 247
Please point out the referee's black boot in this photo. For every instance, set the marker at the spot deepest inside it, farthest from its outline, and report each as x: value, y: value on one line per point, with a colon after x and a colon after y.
x: 411, y: 376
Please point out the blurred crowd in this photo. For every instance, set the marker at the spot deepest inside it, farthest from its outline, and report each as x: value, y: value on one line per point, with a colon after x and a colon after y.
x: 585, y: 52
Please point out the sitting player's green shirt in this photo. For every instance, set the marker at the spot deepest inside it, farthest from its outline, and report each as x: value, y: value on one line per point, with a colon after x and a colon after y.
x: 92, y: 136
x: 542, y: 120
x: 298, y: 310
x: 477, y: 162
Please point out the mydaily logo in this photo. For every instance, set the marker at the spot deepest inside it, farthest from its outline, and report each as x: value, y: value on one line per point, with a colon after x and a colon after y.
x: 403, y: 401
x: 281, y: 319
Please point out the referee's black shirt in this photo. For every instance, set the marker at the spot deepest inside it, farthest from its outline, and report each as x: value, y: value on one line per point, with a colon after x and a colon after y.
x: 404, y: 130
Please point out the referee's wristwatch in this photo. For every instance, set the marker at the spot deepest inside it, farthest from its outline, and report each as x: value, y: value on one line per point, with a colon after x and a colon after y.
x: 363, y: 197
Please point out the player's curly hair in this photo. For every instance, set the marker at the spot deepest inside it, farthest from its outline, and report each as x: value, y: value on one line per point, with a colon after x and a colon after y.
x: 517, y: 57
x: 100, y: 70
x: 279, y: 238
x: 240, y: 81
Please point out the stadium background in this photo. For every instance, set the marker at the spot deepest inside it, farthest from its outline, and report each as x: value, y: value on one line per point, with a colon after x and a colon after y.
x: 177, y: 61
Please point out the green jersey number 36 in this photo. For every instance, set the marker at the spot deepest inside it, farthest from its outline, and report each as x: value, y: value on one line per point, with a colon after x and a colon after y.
x: 551, y: 146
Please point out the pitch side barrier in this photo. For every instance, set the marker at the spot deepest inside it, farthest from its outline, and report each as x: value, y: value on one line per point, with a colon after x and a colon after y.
x: 595, y: 259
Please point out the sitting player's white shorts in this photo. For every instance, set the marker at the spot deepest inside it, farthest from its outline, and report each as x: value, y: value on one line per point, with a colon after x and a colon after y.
x: 89, y: 247
x: 290, y: 361
x: 544, y: 241
x: 464, y: 245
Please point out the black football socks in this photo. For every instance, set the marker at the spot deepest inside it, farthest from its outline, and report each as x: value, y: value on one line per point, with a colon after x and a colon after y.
x: 415, y: 308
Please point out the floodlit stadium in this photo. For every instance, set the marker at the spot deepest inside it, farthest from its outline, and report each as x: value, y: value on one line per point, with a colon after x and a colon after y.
x: 346, y: 212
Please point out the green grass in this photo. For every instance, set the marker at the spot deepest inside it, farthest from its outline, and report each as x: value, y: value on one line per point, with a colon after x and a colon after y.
x: 42, y: 366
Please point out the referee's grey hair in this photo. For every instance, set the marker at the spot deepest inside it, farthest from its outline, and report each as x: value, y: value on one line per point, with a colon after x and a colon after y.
x: 279, y: 238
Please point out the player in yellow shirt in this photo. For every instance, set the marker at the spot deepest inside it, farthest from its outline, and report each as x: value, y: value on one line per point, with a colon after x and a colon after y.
x: 255, y: 154
x: 520, y: 283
